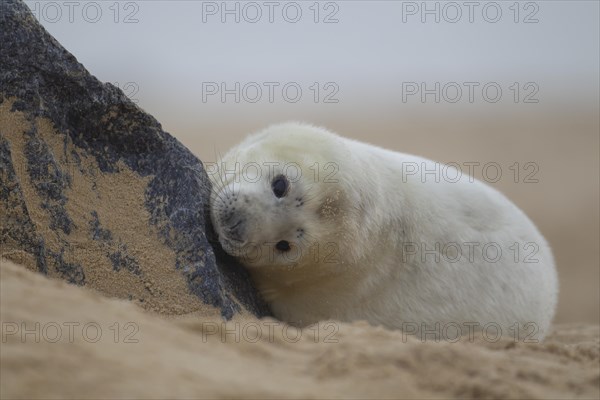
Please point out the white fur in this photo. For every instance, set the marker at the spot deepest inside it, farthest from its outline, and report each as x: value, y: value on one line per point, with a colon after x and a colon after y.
x: 372, y: 228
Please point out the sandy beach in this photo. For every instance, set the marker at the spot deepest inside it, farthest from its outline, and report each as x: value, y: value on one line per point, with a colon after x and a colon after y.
x: 88, y: 346
x: 62, y: 341
x: 110, y: 287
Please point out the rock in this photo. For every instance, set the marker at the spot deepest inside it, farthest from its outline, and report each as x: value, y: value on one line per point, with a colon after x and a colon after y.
x: 94, y: 192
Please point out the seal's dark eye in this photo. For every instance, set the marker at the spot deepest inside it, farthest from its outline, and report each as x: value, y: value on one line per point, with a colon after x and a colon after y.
x: 279, y: 186
x: 282, y: 245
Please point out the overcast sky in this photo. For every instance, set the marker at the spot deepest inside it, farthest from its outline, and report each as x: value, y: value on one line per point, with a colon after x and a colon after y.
x: 176, y: 57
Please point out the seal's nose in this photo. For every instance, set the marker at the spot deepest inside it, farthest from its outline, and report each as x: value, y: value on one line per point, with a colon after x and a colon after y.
x: 234, y: 230
x: 233, y: 225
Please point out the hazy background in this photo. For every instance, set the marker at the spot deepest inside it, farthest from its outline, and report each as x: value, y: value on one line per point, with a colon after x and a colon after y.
x: 172, y: 57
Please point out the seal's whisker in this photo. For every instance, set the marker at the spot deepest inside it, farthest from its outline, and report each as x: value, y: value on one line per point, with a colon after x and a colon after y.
x: 313, y: 239
x: 216, y: 191
x: 308, y: 199
x: 216, y: 195
x: 309, y: 187
x: 219, y: 161
x: 235, y: 166
x: 224, y: 188
x: 307, y: 244
x: 218, y: 184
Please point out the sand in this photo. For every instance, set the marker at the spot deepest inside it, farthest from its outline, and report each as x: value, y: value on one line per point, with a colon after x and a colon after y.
x: 140, y: 334
x: 89, y: 346
x: 98, y: 204
x: 164, y: 343
x: 170, y: 345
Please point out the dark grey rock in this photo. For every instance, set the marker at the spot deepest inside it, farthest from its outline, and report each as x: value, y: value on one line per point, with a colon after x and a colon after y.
x: 96, y: 121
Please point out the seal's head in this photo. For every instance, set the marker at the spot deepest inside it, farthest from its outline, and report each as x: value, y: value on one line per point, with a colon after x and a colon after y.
x: 277, y: 199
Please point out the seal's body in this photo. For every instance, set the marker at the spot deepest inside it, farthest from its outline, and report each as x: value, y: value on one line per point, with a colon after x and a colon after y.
x: 332, y: 228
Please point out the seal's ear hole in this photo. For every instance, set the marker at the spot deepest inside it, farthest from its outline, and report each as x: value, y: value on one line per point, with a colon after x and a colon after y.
x: 283, y: 245
x: 280, y: 186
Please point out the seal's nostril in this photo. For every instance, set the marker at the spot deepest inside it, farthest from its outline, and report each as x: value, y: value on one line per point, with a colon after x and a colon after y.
x: 283, y: 245
x: 234, y: 229
x: 236, y: 225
